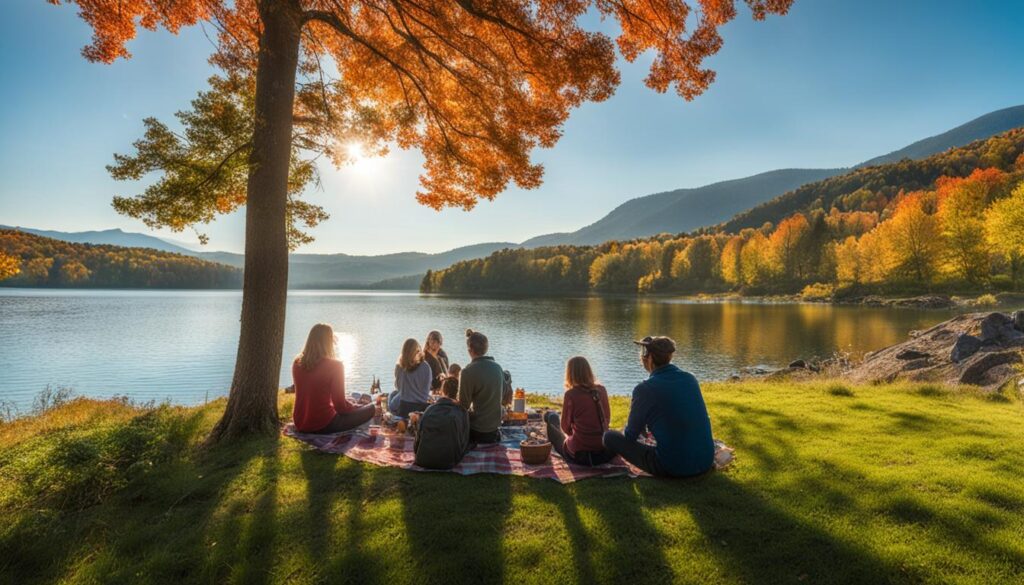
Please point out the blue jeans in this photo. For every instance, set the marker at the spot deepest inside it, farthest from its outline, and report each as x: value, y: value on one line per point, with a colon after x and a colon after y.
x: 401, y: 407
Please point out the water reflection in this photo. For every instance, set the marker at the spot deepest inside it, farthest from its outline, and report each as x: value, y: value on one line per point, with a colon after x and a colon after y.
x: 181, y: 345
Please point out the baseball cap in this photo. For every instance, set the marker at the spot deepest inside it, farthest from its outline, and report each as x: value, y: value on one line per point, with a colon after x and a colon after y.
x: 660, y: 344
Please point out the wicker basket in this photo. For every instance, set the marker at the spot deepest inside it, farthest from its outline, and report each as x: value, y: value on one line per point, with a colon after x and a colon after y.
x: 535, y: 454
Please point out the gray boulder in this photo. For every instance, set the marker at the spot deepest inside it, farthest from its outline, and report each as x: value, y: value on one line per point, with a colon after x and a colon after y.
x: 1018, y: 320
x: 998, y: 328
x: 990, y: 367
x: 965, y: 346
x: 992, y: 326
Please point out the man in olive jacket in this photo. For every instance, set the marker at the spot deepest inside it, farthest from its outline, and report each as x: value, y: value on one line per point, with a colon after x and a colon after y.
x: 480, y: 385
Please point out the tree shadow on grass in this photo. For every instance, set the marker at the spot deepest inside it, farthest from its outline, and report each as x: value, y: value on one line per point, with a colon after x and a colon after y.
x: 243, y: 532
x: 758, y: 542
x: 335, y: 537
x: 634, y: 550
x: 455, y: 525
x: 580, y: 542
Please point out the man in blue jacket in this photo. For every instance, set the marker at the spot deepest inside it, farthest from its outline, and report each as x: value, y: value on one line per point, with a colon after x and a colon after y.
x: 669, y: 405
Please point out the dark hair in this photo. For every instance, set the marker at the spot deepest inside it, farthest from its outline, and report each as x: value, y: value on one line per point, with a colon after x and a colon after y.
x: 450, y: 387
x: 454, y: 370
x: 476, y: 342
x: 659, y: 359
x: 433, y: 336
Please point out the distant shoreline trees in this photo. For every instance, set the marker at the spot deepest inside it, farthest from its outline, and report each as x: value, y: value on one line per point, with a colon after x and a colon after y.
x: 30, y: 260
x: 958, y: 232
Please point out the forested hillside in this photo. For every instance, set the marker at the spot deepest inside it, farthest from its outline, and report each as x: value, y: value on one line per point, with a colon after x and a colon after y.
x: 953, y: 221
x: 37, y: 261
x: 866, y: 188
x: 684, y: 210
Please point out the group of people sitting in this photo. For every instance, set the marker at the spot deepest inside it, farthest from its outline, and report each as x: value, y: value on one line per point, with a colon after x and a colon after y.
x: 667, y: 433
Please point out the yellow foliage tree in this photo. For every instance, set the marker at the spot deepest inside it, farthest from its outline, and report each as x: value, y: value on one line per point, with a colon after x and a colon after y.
x: 9, y: 266
x: 875, y: 262
x: 847, y: 255
x: 787, y: 245
x: 1004, y: 230
x: 732, y: 261
x: 963, y: 234
x: 911, y: 239
x: 755, y: 263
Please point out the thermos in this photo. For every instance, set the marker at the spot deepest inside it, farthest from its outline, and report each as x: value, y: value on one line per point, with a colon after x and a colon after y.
x: 519, y: 402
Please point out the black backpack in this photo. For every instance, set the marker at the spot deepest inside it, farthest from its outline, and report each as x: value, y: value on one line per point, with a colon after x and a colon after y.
x: 442, y: 437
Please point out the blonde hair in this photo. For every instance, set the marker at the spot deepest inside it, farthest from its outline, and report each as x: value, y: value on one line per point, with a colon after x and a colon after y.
x: 319, y: 345
x: 578, y: 373
x: 411, y: 355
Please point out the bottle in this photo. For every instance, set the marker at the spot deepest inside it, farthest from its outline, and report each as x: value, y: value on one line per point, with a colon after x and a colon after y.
x: 519, y: 400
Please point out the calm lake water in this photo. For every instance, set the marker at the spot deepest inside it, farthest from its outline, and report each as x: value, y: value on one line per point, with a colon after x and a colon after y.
x: 180, y: 345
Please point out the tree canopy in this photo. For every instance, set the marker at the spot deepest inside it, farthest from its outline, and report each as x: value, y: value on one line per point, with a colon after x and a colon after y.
x: 474, y: 85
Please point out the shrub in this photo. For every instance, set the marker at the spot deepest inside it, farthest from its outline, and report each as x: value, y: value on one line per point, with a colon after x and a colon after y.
x: 817, y: 292
x: 838, y: 389
x: 986, y: 300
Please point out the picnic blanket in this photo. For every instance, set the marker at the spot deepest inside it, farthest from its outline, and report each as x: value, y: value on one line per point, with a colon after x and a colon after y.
x: 380, y: 446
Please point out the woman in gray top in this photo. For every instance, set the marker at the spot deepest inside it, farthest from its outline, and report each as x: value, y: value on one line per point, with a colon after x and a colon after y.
x: 412, y: 381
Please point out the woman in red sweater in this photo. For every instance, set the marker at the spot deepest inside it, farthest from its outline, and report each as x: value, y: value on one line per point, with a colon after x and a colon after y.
x: 585, y: 413
x: 320, y: 403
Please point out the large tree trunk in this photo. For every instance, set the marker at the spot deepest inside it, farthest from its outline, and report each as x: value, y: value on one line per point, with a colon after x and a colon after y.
x: 252, y: 403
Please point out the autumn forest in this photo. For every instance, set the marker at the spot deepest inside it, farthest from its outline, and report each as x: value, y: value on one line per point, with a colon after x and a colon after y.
x: 951, y: 222
x: 30, y: 260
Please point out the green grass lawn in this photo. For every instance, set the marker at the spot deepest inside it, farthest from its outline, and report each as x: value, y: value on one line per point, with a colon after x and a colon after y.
x: 831, y: 484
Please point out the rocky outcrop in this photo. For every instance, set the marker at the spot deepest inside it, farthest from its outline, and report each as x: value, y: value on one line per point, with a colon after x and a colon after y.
x: 921, y: 302
x: 981, y: 349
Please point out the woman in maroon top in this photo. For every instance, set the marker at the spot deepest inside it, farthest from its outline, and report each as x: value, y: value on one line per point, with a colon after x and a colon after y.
x: 320, y: 403
x: 585, y: 413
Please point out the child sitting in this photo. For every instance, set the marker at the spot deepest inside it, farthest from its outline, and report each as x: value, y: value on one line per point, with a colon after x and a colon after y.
x: 442, y: 437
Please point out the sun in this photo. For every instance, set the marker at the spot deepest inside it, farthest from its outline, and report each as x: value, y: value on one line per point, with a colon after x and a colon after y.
x: 354, y: 151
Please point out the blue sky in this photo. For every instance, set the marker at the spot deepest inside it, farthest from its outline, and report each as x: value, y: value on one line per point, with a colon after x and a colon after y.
x: 831, y: 84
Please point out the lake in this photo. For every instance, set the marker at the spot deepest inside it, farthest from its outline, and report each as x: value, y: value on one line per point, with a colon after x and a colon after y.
x: 180, y: 345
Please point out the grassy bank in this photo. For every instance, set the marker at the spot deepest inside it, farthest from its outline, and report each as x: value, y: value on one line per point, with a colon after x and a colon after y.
x: 832, y: 483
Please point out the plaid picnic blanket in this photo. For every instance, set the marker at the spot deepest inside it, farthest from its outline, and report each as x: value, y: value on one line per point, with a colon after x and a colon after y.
x: 381, y: 446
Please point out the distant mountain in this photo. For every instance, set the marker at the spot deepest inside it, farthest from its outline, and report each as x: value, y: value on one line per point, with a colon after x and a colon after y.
x: 342, y: 270
x: 685, y: 210
x: 114, y: 237
x: 988, y: 125
x: 401, y: 270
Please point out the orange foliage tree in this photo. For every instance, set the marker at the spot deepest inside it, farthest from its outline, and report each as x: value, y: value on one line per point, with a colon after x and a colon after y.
x: 475, y: 85
x: 789, y: 243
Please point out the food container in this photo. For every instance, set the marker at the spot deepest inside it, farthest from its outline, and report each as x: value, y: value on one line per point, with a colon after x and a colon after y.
x: 519, y: 402
x: 535, y: 453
